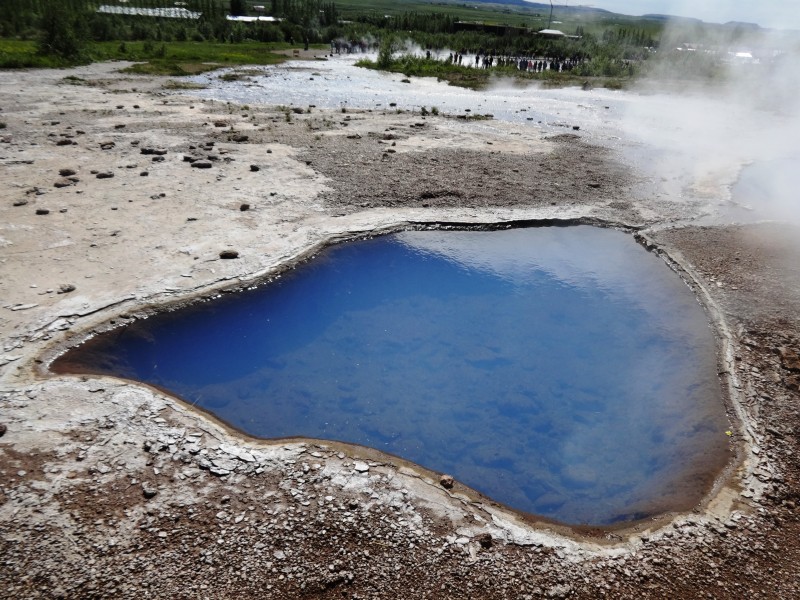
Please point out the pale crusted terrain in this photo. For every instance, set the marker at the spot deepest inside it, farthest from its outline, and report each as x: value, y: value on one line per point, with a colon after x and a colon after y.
x: 114, y: 490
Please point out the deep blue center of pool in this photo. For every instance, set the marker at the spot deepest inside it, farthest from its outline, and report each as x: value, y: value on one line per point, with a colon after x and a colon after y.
x: 564, y: 372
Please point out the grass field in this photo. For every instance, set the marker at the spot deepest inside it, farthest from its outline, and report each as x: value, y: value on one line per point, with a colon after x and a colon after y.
x: 155, y: 58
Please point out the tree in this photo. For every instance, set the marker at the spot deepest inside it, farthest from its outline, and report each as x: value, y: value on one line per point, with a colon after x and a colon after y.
x: 238, y: 8
x: 64, y: 32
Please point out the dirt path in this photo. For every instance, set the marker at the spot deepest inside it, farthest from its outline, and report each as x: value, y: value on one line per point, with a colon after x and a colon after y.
x: 117, y: 195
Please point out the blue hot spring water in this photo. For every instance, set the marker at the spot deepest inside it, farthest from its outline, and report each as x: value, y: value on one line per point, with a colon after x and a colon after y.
x: 564, y: 372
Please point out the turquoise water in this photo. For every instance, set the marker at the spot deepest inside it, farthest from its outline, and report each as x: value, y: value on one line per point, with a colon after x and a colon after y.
x: 564, y: 372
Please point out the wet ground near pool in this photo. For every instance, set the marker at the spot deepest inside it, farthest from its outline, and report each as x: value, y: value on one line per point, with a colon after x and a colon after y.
x: 564, y: 372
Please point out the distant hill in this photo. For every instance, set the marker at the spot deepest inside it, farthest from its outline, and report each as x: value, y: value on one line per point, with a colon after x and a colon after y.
x: 544, y: 6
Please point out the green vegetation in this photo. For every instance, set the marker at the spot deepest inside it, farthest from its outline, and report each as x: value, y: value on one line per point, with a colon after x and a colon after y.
x: 601, y: 47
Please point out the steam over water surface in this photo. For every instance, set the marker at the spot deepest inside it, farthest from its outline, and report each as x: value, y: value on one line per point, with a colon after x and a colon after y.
x: 565, y: 372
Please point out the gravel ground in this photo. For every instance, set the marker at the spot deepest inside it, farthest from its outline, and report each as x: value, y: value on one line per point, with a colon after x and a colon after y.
x: 110, y: 489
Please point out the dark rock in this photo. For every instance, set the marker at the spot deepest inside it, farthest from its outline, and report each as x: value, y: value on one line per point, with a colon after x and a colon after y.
x: 107, y: 145
x: 485, y: 540
x: 42, y: 211
x: 228, y: 254
x: 3, y: 429
x: 22, y: 202
x: 255, y: 168
x: 220, y: 124
x: 144, y: 174
x: 576, y: 127
x: 64, y: 142
x: 189, y: 159
x: 66, y: 288
x: 119, y: 126
x: 244, y: 207
x: 201, y: 164
x: 148, y: 491
x: 593, y: 185
x: 239, y: 138
x: 158, y: 159
x: 447, y: 481
x: 67, y: 172
x: 105, y: 175
x: 62, y: 183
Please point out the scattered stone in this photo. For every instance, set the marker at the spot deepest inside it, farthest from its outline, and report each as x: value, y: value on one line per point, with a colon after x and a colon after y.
x: 244, y: 207
x: 64, y: 142
x: 790, y: 359
x: 593, y: 184
x: 105, y: 175
x: 361, y: 467
x: 189, y: 159
x: 65, y: 288
x: 447, y: 481
x: 107, y: 145
x: 485, y: 540
x: 158, y: 159
x: 201, y: 164
x: 67, y: 172
x: 576, y: 127
x: 220, y: 124
x: 3, y: 429
x: 42, y: 211
x: 62, y: 183
x: 22, y: 202
x: 17, y: 307
x: 144, y: 174
x: 228, y: 254
x: 239, y: 138
x: 255, y: 168
x: 119, y: 126
x: 148, y: 491
x: 153, y: 151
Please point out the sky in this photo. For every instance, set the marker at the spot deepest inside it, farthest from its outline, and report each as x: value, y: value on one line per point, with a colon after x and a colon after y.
x: 778, y: 14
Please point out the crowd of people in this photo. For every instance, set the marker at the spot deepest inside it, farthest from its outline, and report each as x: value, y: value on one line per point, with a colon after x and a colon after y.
x: 487, y: 60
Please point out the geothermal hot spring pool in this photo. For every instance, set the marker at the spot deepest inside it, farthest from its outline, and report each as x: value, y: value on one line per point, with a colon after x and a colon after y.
x: 562, y: 371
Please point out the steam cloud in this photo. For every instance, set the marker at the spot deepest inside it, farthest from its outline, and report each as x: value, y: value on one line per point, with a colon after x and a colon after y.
x: 706, y: 133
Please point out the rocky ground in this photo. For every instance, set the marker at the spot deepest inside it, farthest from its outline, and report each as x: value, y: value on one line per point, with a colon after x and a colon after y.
x: 118, y: 195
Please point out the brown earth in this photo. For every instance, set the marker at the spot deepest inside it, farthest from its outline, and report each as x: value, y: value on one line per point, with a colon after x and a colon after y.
x: 111, y: 489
